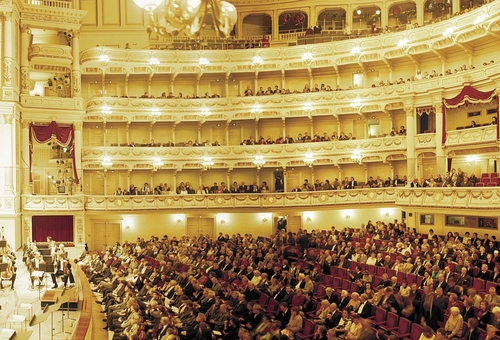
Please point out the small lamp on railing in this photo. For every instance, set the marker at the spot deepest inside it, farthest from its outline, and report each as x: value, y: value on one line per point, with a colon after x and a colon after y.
x: 259, y: 161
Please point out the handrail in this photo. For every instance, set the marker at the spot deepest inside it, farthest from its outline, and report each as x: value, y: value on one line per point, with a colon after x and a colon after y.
x: 51, y: 3
x: 83, y: 328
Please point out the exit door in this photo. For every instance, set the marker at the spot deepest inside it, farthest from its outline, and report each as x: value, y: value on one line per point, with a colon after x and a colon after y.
x: 104, y: 234
x: 201, y: 225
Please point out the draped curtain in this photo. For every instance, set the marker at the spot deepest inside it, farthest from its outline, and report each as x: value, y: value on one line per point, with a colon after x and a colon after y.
x: 60, y: 228
x: 468, y: 95
x: 64, y: 136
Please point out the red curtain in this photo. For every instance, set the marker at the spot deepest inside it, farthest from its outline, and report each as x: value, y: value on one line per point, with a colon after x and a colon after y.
x: 468, y: 95
x: 64, y: 136
x: 60, y: 228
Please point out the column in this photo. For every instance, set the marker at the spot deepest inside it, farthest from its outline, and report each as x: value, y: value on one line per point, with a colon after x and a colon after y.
x: 8, y: 149
x: 275, y: 23
x: 420, y: 13
x: 25, y: 73
x: 456, y: 6
x: 76, y: 75
x: 282, y: 78
x: 77, y: 149
x: 79, y: 232
x: 348, y: 17
x: 384, y: 15
x: 283, y: 126
x: 7, y: 89
x: 226, y: 85
x: 127, y: 133
x: 441, y: 165
x: 410, y: 142
x: 25, y: 155
x: 227, y: 133
x: 105, y: 181
x: 284, y: 180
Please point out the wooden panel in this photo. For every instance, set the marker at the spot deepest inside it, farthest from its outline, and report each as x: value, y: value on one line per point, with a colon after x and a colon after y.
x: 97, y: 184
x: 207, y: 226
x: 235, y: 136
x: 110, y: 12
x: 105, y: 233
x: 294, y: 223
x: 192, y: 225
x: 91, y: 7
x: 112, y: 182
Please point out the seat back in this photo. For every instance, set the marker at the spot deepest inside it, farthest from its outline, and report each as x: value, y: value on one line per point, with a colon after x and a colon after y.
x: 263, y: 299
x: 380, y: 315
x: 411, y: 278
x: 478, y: 284
x: 404, y: 326
x: 272, y: 306
x: 308, y: 327
x: 392, y: 320
x: 346, y: 284
x: 320, y: 292
x: 416, y: 332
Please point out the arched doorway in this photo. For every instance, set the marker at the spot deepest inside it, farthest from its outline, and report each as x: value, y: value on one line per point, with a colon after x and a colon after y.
x: 366, y: 20
x: 437, y: 9
x: 332, y: 19
x: 293, y: 21
x: 257, y: 25
x: 400, y: 14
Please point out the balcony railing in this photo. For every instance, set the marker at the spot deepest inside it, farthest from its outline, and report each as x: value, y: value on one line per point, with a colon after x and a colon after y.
x: 53, y: 203
x: 68, y: 4
x: 457, y: 198
x: 382, y: 147
x: 472, y: 136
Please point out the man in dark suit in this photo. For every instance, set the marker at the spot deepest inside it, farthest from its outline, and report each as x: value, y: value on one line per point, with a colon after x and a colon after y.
x: 333, y: 317
x: 287, y: 297
x: 439, y: 306
x: 352, y: 183
x: 284, y: 314
x: 365, y: 307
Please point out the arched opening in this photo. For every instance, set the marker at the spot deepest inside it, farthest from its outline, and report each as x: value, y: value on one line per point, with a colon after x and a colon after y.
x: 293, y: 21
x: 437, y: 9
x: 401, y: 15
x: 257, y: 25
x: 470, y: 4
x: 366, y: 20
x: 332, y: 19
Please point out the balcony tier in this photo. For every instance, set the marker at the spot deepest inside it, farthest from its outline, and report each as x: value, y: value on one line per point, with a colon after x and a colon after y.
x: 422, y: 42
x: 50, y: 54
x: 456, y: 198
x: 373, y: 149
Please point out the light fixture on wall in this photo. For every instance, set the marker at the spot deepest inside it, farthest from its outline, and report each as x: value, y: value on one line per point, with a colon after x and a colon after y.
x: 106, y: 163
x: 169, y: 18
x: 207, y: 163
x: 157, y: 163
x: 479, y: 22
x: 403, y: 44
x: 106, y: 110
x: 259, y: 161
x: 347, y: 217
x: 127, y: 227
x: 356, y: 156
x: 309, y: 159
x: 155, y: 113
x: 104, y: 59
x: 179, y: 221
x: 154, y: 63
x: 386, y: 214
x: 472, y: 160
x: 265, y: 220
x: 256, y: 111
x: 307, y: 58
x: 203, y: 63
x: 205, y: 113
x: 448, y: 32
x: 308, y: 107
x: 257, y: 62
x: 357, y: 104
x: 356, y: 51
x: 308, y: 220
x: 222, y: 222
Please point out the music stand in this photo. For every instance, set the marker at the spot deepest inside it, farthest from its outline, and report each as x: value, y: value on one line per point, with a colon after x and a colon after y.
x: 68, y: 293
x: 50, y: 309
x: 62, y: 300
x: 38, y: 320
x: 47, y: 268
x: 39, y: 274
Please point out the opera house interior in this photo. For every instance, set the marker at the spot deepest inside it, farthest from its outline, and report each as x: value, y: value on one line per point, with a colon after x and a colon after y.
x: 380, y: 93
x: 207, y: 117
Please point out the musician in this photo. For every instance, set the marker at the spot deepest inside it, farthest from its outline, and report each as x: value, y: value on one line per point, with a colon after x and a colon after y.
x: 9, y: 274
x: 34, y: 264
x: 59, y: 266
x: 68, y: 274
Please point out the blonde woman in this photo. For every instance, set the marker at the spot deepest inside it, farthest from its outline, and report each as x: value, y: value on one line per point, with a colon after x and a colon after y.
x: 453, y: 326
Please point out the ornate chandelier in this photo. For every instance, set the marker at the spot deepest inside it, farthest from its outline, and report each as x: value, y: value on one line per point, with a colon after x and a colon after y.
x: 170, y: 17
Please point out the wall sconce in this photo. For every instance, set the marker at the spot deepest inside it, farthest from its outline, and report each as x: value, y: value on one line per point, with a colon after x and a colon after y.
x: 179, y: 221
x: 347, y: 217
x: 386, y: 214
x: 308, y: 220
x: 264, y: 220
x: 222, y: 222
x: 127, y: 227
